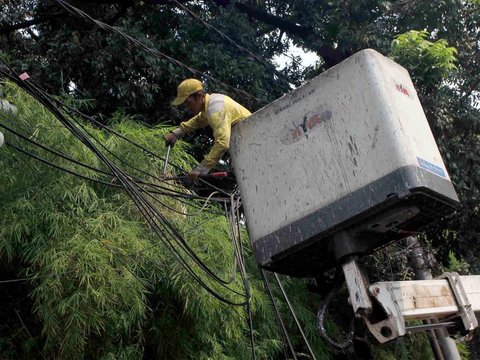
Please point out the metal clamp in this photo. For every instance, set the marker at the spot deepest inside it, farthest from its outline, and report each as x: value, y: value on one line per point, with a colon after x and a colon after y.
x: 357, y: 284
x: 392, y: 325
x: 467, y: 315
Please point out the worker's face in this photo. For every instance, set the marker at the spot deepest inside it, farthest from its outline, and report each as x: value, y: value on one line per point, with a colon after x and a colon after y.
x: 194, y: 103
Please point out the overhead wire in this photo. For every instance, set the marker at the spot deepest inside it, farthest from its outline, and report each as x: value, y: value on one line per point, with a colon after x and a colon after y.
x: 165, y: 190
x: 72, y: 110
x: 88, y: 178
x: 255, y: 57
x: 290, y: 307
x: 111, y: 183
x: 107, y: 183
x: 142, y: 171
x: 72, y: 9
x: 133, y: 189
x: 158, y: 223
x: 235, y: 204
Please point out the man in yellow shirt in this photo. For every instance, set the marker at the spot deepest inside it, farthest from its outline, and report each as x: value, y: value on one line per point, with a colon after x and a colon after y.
x: 218, y: 111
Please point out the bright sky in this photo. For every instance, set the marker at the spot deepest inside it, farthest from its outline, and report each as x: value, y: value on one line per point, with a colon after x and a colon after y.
x: 308, y: 57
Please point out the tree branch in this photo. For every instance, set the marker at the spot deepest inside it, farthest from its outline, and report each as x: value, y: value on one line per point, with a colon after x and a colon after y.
x: 330, y: 55
x: 6, y: 29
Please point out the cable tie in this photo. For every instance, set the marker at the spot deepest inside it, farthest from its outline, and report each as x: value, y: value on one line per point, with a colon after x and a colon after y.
x: 24, y: 76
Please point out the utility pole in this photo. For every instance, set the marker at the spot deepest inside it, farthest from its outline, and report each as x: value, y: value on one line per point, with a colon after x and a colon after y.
x: 443, y: 346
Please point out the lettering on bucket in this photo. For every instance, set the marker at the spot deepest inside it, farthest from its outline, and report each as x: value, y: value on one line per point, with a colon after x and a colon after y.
x: 301, y: 128
x: 403, y: 89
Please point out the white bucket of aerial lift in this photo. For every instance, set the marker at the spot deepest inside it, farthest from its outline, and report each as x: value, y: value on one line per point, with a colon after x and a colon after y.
x: 336, y: 135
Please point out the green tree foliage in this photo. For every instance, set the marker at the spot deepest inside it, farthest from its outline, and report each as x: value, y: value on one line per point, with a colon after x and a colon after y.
x: 429, y: 63
x: 451, y: 104
x: 101, y: 283
x: 67, y: 54
x: 105, y: 67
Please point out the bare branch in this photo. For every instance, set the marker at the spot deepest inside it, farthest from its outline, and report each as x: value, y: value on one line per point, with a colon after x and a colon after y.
x: 6, y: 29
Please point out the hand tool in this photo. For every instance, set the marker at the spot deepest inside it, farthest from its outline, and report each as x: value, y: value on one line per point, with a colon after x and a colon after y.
x: 166, y: 160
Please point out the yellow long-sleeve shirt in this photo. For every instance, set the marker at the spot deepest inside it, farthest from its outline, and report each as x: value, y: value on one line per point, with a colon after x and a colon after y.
x: 221, y: 113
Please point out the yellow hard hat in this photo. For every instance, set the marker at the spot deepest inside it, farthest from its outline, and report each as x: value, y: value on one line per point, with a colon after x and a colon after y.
x: 185, y: 89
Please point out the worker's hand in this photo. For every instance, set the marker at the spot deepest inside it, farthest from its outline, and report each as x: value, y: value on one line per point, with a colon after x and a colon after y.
x: 170, y: 139
x: 193, y: 176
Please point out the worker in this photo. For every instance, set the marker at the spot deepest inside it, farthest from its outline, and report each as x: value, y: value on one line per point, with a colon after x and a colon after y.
x: 218, y: 111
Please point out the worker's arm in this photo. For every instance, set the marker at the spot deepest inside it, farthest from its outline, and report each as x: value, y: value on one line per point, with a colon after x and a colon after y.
x: 199, y: 121
x: 222, y: 128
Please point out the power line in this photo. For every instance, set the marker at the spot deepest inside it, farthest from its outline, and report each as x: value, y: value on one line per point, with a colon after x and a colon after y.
x: 72, y: 110
x: 72, y: 9
x: 278, y: 317
x: 231, y: 41
x: 299, y: 327
x: 146, y: 216
x: 169, y: 189
x: 114, y: 185
x: 158, y: 223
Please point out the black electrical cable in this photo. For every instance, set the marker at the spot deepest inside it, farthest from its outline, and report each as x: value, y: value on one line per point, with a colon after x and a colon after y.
x: 231, y: 41
x: 103, y: 126
x: 136, y: 196
x: 55, y: 152
x: 144, y: 206
x: 68, y: 158
x: 284, y: 294
x: 283, y: 329
x: 111, y: 183
x: 166, y: 225
x: 61, y: 168
x: 135, y: 168
x: 64, y: 156
x: 235, y: 211
x: 348, y: 341
x: 213, y: 293
x: 188, y: 250
x: 112, y: 153
x: 70, y: 8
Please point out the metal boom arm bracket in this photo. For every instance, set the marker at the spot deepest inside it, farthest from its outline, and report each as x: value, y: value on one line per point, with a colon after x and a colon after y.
x: 469, y: 320
x: 387, y: 306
